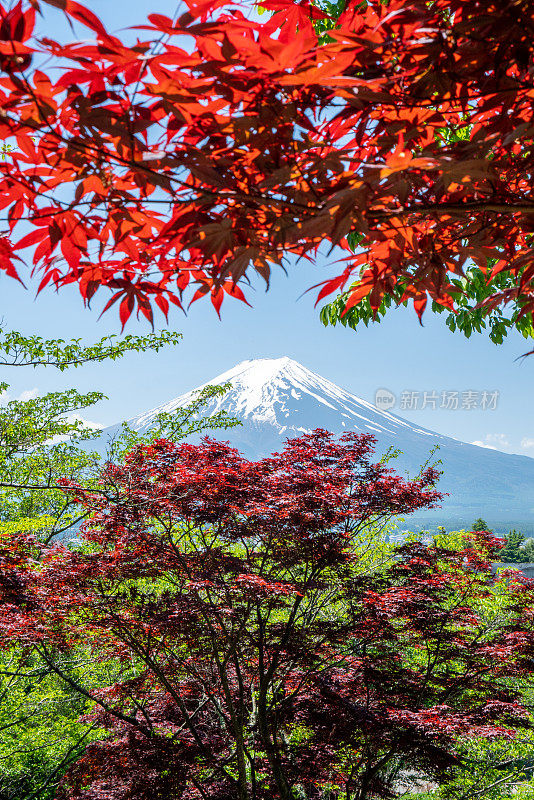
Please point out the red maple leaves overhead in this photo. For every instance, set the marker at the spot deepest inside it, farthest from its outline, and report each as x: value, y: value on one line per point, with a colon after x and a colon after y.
x: 223, y: 143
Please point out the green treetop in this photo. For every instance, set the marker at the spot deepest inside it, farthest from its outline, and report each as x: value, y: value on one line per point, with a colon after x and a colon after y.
x: 480, y: 525
x: 513, y: 552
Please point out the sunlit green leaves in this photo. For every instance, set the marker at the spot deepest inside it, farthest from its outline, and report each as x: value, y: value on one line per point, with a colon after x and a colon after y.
x: 19, y: 350
x: 468, y: 292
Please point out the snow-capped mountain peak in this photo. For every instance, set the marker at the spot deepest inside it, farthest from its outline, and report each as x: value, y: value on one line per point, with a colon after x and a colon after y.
x: 280, y: 390
x: 277, y: 398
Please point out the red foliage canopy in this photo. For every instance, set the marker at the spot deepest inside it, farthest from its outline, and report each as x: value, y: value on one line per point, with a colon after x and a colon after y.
x: 259, y: 661
x: 226, y: 141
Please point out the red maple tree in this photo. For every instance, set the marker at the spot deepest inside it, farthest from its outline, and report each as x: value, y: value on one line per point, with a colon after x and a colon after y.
x: 226, y: 141
x: 258, y: 660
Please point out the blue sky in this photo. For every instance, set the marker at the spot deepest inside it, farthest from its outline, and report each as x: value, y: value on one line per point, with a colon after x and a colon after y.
x: 397, y: 354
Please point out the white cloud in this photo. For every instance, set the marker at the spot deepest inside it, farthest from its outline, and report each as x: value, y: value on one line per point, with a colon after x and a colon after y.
x: 75, y: 417
x: 500, y: 442
x: 29, y: 394
x: 494, y: 441
x: 23, y: 397
x: 483, y: 444
x: 87, y: 423
x: 498, y: 438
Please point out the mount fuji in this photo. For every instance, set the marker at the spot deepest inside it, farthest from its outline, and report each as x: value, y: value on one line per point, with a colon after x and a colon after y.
x: 277, y: 399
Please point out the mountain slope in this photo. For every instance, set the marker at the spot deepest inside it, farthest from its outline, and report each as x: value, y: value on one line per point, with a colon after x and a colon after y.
x: 276, y: 399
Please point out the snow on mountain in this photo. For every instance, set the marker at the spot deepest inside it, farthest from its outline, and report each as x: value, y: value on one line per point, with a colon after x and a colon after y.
x: 286, y: 395
x: 276, y: 399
